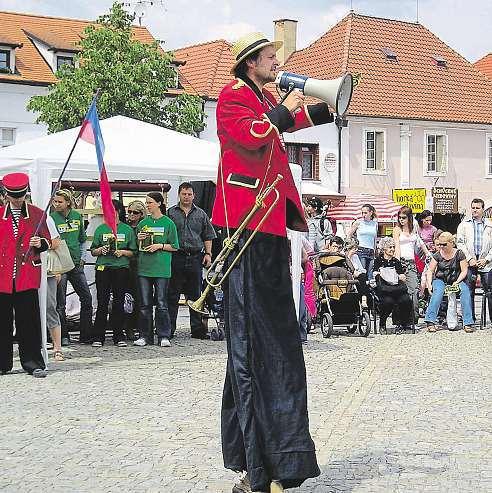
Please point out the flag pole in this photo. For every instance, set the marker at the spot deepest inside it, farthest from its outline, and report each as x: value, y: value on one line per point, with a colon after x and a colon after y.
x: 55, y: 188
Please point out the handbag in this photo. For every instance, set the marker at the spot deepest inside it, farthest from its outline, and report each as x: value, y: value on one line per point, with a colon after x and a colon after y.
x: 389, y: 275
x: 59, y: 260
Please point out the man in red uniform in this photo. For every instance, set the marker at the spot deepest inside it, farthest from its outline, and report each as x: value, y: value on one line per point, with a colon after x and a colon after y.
x: 20, y: 264
x: 265, y: 428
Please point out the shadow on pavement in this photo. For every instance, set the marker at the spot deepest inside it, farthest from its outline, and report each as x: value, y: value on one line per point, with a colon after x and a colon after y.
x: 350, y: 473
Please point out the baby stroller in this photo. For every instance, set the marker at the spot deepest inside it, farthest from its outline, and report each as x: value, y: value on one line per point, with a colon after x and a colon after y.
x: 338, y: 301
x: 215, y: 305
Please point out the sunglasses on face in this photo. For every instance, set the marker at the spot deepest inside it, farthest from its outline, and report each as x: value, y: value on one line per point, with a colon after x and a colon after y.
x: 441, y: 244
x: 134, y: 212
x: 402, y: 217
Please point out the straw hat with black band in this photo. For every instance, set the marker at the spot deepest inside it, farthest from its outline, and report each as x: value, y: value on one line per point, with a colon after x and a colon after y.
x: 249, y: 44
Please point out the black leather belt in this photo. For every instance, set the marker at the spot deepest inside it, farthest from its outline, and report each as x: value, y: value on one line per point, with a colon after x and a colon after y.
x: 188, y: 253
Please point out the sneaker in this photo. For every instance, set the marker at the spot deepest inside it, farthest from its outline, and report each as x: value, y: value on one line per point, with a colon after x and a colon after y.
x: 97, y: 344
x: 40, y: 373
x: 243, y: 485
x: 121, y: 344
x: 140, y: 342
x: 165, y: 343
x: 276, y: 487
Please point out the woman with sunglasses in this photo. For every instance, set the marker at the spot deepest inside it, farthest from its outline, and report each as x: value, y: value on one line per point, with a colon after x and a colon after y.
x: 448, y: 267
x: 365, y: 230
x: 407, y: 241
x: 135, y: 213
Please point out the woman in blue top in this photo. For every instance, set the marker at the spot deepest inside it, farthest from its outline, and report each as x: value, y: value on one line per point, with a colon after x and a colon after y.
x: 366, y: 230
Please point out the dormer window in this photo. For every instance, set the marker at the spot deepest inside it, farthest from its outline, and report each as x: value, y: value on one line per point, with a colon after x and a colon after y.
x: 439, y: 61
x: 390, y: 54
x: 5, y: 59
x: 63, y: 60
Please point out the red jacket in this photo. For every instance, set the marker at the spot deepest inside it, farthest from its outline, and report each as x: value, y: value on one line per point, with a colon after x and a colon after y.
x: 28, y: 275
x: 249, y: 130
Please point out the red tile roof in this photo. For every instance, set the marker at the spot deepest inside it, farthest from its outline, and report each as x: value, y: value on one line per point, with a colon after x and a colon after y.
x: 412, y: 87
x: 484, y: 65
x: 57, y: 32
x: 207, y: 67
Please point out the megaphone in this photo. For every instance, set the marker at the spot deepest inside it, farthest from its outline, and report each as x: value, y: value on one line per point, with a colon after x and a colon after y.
x: 337, y: 92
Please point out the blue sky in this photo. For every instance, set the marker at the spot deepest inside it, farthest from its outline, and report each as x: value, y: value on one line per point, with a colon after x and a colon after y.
x: 463, y: 25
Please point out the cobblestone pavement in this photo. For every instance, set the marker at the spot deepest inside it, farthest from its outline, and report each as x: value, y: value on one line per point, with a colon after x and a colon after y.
x: 406, y: 413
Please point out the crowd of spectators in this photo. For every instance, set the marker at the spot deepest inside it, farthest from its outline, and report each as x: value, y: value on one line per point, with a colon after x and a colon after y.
x: 418, y: 263
x: 140, y: 275
x: 159, y: 255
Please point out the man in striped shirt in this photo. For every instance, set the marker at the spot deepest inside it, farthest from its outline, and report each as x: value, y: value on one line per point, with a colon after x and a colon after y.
x: 23, y: 236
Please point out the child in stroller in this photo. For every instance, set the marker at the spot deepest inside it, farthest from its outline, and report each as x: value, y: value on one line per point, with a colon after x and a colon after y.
x: 339, y: 300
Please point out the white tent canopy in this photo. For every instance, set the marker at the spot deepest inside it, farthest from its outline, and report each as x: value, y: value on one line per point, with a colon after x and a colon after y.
x: 134, y: 150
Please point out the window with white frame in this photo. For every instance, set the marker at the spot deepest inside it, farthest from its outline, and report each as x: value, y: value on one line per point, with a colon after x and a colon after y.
x: 436, y: 153
x: 5, y: 60
x: 7, y: 137
x: 374, y: 144
x: 489, y: 154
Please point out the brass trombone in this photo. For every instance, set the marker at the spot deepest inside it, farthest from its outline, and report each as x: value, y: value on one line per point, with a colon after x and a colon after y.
x: 230, y: 244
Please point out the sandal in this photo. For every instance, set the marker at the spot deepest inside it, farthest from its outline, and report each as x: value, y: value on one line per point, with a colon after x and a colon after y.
x: 431, y: 328
x: 58, y: 356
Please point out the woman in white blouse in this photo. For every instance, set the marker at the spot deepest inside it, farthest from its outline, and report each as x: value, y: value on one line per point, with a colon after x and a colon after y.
x: 407, y: 240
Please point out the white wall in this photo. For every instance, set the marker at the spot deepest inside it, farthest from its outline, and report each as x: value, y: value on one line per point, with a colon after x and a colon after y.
x: 210, y: 132
x: 13, y: 112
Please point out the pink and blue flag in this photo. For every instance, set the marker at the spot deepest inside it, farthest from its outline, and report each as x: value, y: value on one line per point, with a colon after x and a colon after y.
x: 91, y: 132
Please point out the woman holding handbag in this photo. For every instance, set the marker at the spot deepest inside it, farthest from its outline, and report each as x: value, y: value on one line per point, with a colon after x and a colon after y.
x: 407, y: 241
x: 448, y: 267
x: 365, y: 230
x: 391, y: 288
x: 54, y: 272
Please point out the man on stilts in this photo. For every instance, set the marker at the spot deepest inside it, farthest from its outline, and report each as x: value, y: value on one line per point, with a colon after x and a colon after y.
x: 265, y: 427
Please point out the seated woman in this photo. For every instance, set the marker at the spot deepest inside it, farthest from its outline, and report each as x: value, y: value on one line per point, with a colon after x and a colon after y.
x: 391, y: 288
x: 448, y: 268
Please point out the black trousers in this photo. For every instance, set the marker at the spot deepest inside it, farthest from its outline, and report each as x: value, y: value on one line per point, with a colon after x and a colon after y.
x: 110, y: 281
x: 265, y: 427
x: 486, y: 281
x: 398, y: 303
x: 24, y: 307
x: 186, y: 278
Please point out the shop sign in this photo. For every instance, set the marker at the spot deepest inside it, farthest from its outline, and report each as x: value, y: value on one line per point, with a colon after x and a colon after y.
x: 410, y: 197
x: 445, y: 200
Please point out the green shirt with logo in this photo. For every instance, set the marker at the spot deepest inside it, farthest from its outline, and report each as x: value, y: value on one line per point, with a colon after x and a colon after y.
x: 71, y: 229
x: 157, y: 264
x: 126, y: 240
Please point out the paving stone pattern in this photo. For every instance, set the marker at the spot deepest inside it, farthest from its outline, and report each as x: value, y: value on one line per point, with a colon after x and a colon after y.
x: 394, y: 413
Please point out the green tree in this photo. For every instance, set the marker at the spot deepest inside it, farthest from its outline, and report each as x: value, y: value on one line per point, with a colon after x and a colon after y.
x: 134, y: 78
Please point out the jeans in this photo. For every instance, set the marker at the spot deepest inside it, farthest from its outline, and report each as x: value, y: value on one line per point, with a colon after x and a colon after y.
x: 186, y: 279
x: 110, y: 281
x: 148, y: 286
x: 436, y: 298
x: 77, y: 279
x: 366, y: 257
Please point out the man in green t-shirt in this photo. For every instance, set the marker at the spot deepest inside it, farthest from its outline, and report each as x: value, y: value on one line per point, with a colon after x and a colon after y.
x: 112, y: 270
x: 70, y: 226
